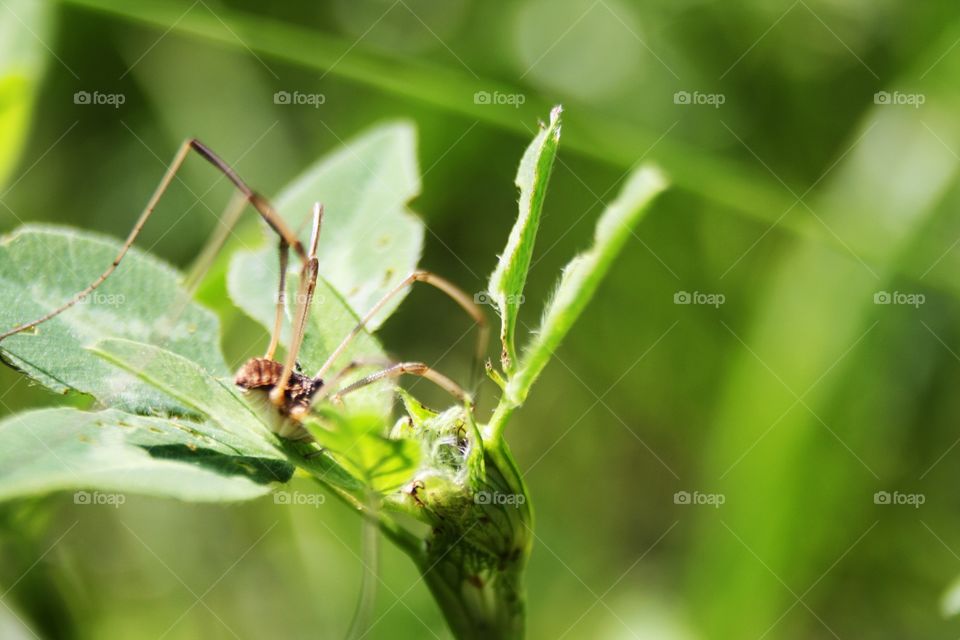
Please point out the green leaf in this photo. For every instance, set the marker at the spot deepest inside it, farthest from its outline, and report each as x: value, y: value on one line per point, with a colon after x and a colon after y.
x: 22, y: 58
x: 355, y: 440
x: 510, y: 276
x: 222, y: 404
x: 583, y: 274
x: 187, y: 382
x: 370, y: 241
x: 418, y: 412
x: 59, y: 449
x: 41, y: 267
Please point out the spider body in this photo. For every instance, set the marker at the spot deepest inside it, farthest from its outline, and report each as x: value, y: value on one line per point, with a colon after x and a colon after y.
x: 264, y: 374
x: 286, y: 392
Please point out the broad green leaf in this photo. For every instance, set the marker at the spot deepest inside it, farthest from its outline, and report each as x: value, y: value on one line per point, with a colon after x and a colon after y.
x: 510, y: 276
x: 583, y: 274
x: 66, y: 449
x: 370, y: 241
x: 220, y: 401
x: 23, y: 30
x: 357, y: 442
x: 42, y: 267
x: 187, y: 382
x: 324, y: 468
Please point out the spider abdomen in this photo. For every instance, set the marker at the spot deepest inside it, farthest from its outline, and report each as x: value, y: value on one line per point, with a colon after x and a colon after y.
x: 261, y: 375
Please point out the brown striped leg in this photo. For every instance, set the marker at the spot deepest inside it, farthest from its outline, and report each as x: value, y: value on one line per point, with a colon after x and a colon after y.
x: 406, y: 368
x: 454, y: 292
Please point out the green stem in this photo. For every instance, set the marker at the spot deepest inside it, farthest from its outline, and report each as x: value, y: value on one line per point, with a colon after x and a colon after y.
x: 476, y: 554
x: 493, y: 432
x: 475, y: 611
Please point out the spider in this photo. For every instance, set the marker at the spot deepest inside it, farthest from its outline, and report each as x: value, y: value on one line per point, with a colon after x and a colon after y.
x: 291, y: 392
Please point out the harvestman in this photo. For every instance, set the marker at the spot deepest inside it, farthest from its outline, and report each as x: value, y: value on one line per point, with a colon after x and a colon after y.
x: 289, y: 391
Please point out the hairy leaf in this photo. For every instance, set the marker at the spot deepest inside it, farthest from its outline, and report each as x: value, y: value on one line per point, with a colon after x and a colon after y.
x: 57, y: 449
x: 583, y: 274
x: 217, y: 399
x: 42, y: 267
x: 510, y: 276
x: 222, y: 404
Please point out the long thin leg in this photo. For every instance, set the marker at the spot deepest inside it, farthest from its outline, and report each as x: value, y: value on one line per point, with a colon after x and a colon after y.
x: 406, y: 368
x: 281, y: 295
x: 458, y: 295
x: 308, y: 283
x: 350, y: 367
x: 258, y: 202
x: 284, y: 251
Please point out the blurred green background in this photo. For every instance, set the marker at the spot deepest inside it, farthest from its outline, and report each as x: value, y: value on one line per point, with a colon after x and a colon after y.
x: 748, y: 465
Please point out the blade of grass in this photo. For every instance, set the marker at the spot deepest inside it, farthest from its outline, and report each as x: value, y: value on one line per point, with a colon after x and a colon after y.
x: 609, y: 139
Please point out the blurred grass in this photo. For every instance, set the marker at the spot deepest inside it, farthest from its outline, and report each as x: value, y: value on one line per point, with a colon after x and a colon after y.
x: 646, y: 398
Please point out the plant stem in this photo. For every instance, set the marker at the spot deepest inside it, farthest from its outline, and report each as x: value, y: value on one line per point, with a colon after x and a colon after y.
x: 478, y: 610
x: 493, y: 432
x: 477, y: 552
